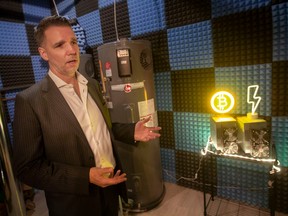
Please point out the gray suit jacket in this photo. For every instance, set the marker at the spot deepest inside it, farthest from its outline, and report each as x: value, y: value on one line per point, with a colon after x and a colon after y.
x: 51, y: 151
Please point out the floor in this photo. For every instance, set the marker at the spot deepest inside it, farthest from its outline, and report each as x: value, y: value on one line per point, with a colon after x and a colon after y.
x: 178, y: 200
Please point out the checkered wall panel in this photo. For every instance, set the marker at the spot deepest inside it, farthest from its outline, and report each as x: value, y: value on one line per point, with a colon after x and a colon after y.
x: 198, y: 47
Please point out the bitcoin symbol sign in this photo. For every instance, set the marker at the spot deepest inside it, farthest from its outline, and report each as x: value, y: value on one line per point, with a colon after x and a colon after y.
x: 222, y: 102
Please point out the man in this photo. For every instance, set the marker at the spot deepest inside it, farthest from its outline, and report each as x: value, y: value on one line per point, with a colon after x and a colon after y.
x: 63, y: 136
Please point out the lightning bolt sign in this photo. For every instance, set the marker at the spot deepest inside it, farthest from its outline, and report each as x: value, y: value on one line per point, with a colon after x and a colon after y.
x: 255, y: 100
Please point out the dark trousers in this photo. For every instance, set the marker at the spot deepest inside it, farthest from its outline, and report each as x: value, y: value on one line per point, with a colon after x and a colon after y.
x: 109, y: 200
x: 101, y: 202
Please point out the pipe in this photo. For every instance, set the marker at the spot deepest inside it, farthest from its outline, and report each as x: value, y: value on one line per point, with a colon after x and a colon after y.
x: 13, y: 194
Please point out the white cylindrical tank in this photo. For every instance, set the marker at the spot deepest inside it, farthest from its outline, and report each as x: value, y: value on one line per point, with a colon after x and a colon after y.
x: 126, y: 68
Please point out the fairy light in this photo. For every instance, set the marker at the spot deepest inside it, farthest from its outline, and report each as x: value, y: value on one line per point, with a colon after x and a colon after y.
x: 267, y: 160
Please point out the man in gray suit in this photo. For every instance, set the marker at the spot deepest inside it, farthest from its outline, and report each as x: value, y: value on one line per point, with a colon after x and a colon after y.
x: 63, y: 136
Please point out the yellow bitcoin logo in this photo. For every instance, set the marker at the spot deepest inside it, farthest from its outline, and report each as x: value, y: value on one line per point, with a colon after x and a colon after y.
x: 222, y: 102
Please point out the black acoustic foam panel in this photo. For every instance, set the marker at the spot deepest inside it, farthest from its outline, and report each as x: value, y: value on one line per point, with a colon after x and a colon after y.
x: 159, y: 44
x: 93, y: 51
x: 85, y: 6
x: 191, y: 90
x: 278, y: 1
x: 279, y: 88
x: 192, y: 161
x: 108, y: 25
x: 11, y: 11
x: 281, y: 186
x: 243, y: 38
x: 179, y: 13
x: 16, y: 71
x: 31, y: 40
x: 167, y: 140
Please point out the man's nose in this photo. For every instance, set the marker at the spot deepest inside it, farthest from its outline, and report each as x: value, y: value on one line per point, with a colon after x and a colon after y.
x: 72, y: 49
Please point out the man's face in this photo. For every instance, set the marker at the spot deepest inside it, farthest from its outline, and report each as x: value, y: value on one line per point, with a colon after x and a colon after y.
x: 61, y: 50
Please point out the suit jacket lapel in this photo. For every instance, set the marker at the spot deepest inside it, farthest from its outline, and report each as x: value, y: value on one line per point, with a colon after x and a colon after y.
x: 57, y: 102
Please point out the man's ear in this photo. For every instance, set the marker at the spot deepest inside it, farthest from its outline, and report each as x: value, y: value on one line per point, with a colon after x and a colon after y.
x: 43, y: 53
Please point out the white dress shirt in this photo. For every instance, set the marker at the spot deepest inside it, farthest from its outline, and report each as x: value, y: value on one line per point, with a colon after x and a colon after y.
x: 89, y: 117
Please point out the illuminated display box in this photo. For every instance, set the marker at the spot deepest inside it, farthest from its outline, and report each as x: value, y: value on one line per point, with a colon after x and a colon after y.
x: 253, y: 136
x: 224, y: 134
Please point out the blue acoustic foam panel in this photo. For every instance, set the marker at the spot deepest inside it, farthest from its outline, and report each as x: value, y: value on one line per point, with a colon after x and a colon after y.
x: 191, y: 90
x: 191, y: 131
x: 40, y: 67
x: 180, y: 13
x: 280, y: 138
x: 13, y: 39
x: 188, y: 163
x: 84, y: 7
x: 163, y: 91
x: 91, y: 24
x: 108, y: 25
x: 33, y: 47
x: 159, y: 43
x: 65, y: 8
x: 236, y: 81
x: 280, y: 32
x: 81, y: 36
x: 166, y: 122
x: 226, y: 7
x: 146, y: 16
x: 243, y: 39
x: 11, y: 11
x: 16, y: 71
x: 190, y: 46
x: 105, y: 3
x: 168, y: 165
x: 253, y: 35
x: 281, y: 186
x: 243, y: 181
x: 34, y: 11
x: 279, y: 88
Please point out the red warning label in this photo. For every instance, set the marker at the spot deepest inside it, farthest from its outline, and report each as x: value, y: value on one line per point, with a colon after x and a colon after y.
x: 127, y: 88
x: 107, y: 65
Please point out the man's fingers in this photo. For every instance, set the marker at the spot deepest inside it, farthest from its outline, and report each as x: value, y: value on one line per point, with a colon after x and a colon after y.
x: 117, y: 173
x: 117, y: 178
x: 106, y: 172
x: 145, y: 120
x: 154, y: 128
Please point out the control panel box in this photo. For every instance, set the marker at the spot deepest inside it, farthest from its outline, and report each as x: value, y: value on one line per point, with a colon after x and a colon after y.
x: 223, y: 132
x: 253, y: 136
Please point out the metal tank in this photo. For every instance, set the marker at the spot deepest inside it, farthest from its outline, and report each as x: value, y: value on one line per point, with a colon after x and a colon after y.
x: 126, y: 69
